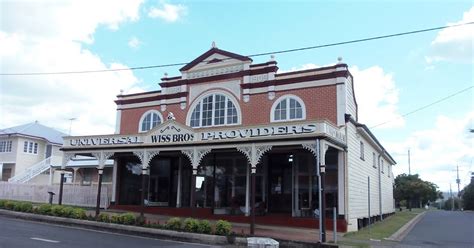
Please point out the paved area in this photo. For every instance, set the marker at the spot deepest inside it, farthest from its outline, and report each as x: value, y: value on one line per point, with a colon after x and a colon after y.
x: 442, y: 229
x: 309, y: 235
x: 21, y: 233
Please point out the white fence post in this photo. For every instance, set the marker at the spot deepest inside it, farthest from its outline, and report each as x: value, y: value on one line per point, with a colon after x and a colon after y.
x: 75, y: 195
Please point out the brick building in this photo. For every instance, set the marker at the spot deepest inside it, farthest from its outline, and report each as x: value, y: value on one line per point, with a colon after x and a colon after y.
x: 228, y: 134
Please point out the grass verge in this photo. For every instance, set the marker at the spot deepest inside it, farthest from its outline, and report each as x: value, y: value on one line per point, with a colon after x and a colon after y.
x: 385, y: 228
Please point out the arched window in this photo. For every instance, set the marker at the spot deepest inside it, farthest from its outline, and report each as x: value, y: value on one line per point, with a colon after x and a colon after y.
x: 214, y: 110
x: 149, y: 120
x: 287, y: 108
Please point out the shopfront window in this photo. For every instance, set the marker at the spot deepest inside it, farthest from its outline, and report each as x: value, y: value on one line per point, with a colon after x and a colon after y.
x: 205, y: 183
x: 230, y: 187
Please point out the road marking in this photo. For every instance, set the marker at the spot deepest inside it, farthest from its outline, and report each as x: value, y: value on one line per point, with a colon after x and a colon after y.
x: 45, y: 240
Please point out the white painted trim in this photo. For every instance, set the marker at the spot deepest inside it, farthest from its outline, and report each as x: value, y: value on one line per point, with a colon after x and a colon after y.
x: 341, y: 103
x: 118, y: 119
x: 143, y: 117
x: 281, y: 98
x: 295, y: 86
x: 148, y: 104
x: 212, y: 92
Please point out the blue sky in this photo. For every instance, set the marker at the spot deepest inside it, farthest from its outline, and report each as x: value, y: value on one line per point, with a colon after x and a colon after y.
x: 395, y: 76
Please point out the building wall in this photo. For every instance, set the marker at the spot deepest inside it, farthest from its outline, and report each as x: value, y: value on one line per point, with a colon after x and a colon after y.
x: 25, y: 160
x: 9, y: 157
x: 320, y: 104
x: 358, y: 172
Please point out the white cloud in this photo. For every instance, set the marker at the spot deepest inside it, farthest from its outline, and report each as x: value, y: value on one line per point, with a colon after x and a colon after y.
x: 454, y: 44
x: 48, y: 37
x: 377, y: 97
x: 435, y: 152
x: 168, y: 12
x: 134, y: 42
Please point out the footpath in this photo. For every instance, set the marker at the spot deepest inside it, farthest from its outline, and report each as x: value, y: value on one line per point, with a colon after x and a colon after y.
x: 287, y: 237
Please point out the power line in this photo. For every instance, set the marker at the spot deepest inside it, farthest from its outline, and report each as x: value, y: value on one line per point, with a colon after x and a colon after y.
x: 252, y: 55
x: 426, y: 106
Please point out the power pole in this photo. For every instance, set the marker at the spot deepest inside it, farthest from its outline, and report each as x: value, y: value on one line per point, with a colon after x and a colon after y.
x: 458, y: 181
x: 452, y: 198
x: 409, y: 168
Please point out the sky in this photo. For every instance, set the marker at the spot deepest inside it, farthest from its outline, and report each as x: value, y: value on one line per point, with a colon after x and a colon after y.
x: 392, y: 77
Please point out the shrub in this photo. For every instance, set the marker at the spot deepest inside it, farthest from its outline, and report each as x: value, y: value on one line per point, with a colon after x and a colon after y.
x: 115, y: 219
x: 44, y: 209
x: 173, y: 224
x: 127, y: 219
x: 23, y: 207
x: 204, y: 227
x: 57, y: 210
x: 191, y: 225
x: 67, y: 211
x: 9, y: 205
x: 223, y: 227
x: 103, y: 217
x: 2, y: 203
x: 78, y: 213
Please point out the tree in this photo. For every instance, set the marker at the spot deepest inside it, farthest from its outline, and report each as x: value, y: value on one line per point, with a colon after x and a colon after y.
x: 468, y: 196
x: 414, y: 190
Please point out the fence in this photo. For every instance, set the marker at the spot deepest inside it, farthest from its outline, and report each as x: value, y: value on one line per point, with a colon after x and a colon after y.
x: 76, y: 195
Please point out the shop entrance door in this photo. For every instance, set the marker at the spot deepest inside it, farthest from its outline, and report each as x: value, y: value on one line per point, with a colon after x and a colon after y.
x: 160, y: 186
x: 280, y: 183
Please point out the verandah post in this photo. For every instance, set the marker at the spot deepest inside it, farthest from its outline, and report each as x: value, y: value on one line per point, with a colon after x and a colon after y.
x: 99, y: 188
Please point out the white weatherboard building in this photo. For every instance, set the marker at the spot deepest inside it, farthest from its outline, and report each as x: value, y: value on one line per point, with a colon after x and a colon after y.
x: 227, y: 132
x: 27, y: 152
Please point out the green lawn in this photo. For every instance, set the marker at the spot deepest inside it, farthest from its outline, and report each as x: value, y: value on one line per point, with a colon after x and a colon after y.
x: 385, y: 228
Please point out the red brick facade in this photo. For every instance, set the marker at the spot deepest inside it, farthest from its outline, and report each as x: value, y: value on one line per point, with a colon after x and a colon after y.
x: 320, y: 99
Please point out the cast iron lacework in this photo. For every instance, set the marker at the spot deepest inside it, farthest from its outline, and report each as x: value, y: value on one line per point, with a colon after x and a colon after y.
x: 66, y: 158
x: 254, y: 152
x: 145, y: 156
x: 195, y: 155
x: 102, y: 157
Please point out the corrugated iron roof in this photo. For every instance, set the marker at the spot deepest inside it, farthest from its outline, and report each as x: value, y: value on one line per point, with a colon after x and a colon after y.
x: 36, y: 129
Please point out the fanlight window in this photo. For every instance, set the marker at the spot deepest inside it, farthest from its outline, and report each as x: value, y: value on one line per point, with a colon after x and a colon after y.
x: 214, y: 110
x: 288, y: 108
x: 149, y: 121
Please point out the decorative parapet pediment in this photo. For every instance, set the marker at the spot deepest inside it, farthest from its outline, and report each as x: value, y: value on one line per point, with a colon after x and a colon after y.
x: 171, y: 133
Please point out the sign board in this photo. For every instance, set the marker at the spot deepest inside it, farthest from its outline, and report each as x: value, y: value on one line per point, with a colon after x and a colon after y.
x: 171, y: 132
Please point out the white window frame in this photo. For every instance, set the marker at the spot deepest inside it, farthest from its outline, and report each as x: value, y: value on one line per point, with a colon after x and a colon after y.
x: 288, y: 97
x: 200, y: 99
x: 381, y: 166
x: 362, y: 150
x: 143, y: 118
x: 30, y: 147
x: 6, y: 146
x: 374, y: 160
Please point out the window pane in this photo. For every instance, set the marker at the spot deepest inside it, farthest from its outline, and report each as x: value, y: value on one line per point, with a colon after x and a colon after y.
x: 296, y: 111
x: 25, y: 146
x: 9, y: 146
x: 156, y: 120
x: 2, y: 146
x: 146, y: 122
x: 219, y: 110
x: 231, y: 113
x: 207, y: 111
x: 280, y: 110
x: 30, y: 147
x: 195, y: 116
x: 35, y: 151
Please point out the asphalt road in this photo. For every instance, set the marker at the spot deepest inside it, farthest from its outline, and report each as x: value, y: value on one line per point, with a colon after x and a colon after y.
x: 442, y: 229
x: 20, y: 233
